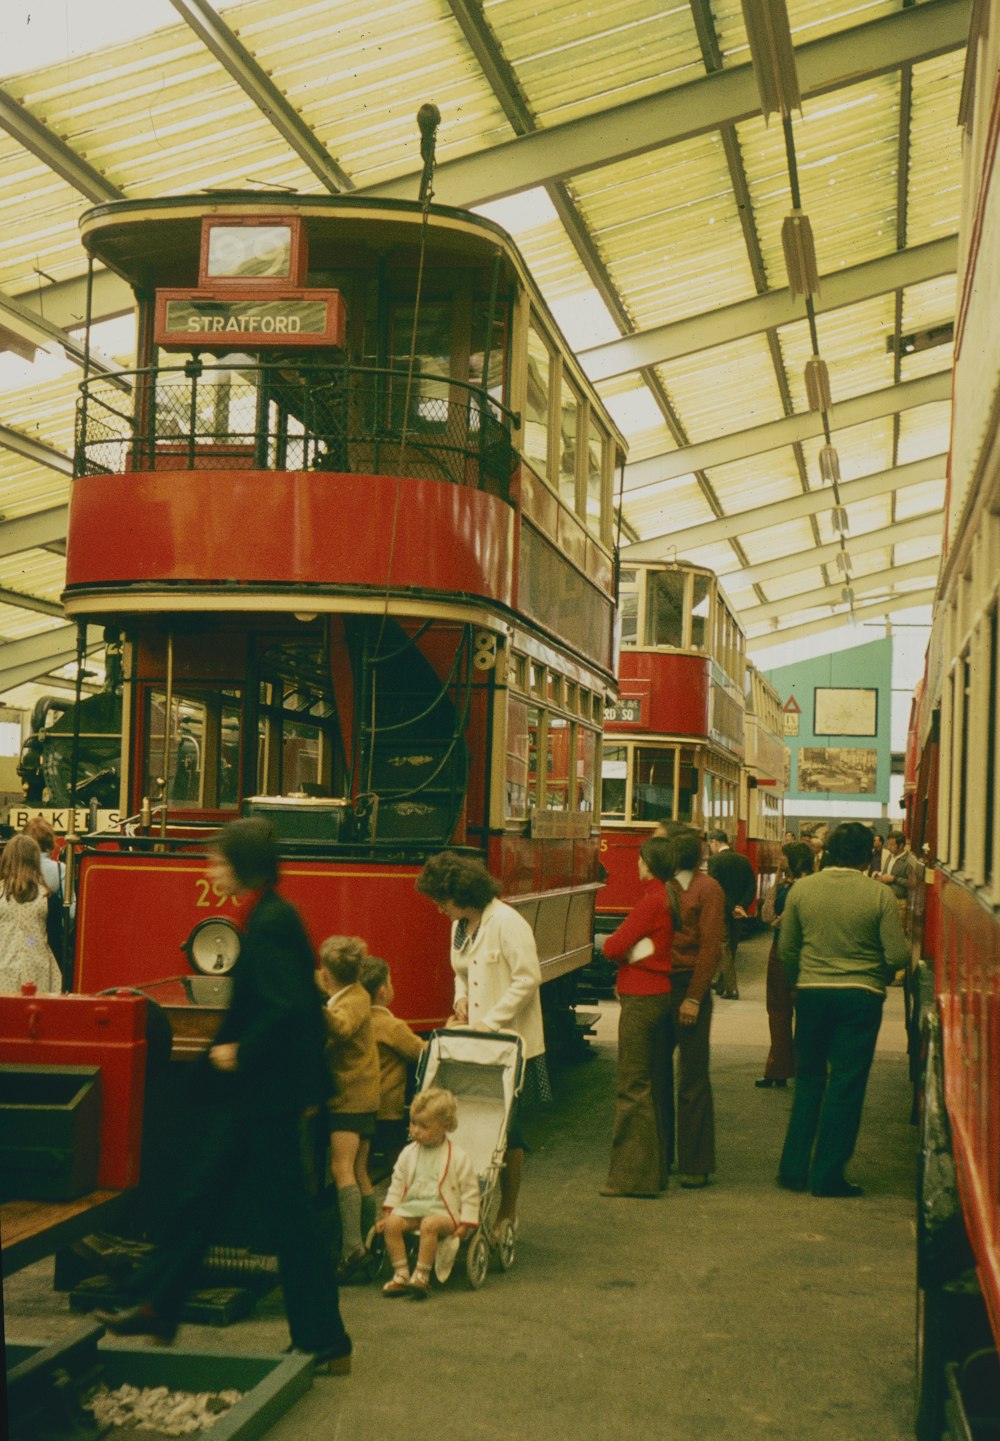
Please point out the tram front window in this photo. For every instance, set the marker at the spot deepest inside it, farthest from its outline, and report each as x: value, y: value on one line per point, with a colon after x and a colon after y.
x: 653, y: 785
x: 665, y: 608
x: 193, y: 760
x: 614, y: 774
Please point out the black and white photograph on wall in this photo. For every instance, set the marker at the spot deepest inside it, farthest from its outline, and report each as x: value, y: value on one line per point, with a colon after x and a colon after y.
x: 845, y: 711
x: 838, y: 768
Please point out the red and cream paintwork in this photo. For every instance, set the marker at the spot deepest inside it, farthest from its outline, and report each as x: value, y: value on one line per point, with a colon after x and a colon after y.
x: 196, y: 547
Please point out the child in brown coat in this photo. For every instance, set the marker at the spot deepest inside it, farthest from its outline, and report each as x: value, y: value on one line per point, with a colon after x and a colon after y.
x: 352, y: 1057
x: 398, y: 1048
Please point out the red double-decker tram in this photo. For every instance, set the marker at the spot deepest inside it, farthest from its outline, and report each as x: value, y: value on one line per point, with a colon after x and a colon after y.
x: 674, y: 739
x: 952, y: 793
x: 348, y: 523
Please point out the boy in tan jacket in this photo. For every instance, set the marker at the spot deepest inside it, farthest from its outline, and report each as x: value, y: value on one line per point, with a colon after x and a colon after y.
x: 398, y: 1048
x: 352, y: 1058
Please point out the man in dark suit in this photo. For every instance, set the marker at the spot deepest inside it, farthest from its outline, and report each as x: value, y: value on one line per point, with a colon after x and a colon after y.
x: 734, y: 874
x: 269, y: 1069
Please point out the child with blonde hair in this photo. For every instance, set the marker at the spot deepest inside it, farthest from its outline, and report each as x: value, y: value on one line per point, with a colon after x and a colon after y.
x: 434, y: 1191
x: 398, y: 1048
x: 352, y: 1058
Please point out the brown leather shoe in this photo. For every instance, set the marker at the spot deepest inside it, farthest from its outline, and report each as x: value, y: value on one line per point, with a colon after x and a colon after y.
x: 141, y: 1320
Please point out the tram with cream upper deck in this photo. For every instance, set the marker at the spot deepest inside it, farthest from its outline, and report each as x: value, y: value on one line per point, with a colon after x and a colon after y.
x: 346, y: 526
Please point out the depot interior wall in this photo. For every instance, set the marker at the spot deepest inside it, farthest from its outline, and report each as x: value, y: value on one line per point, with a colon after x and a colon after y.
x: 851, y: 693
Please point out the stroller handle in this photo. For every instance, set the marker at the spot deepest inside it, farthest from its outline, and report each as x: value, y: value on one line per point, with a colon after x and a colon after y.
x: 471, y: 1033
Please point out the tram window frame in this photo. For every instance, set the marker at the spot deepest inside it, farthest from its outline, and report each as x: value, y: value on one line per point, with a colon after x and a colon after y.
x: 517, y: 762
x: 569, y: 477
x: 699, y: 578
x: 587, y: 742
x: 658, y: 581
x: 665, y: 754
x: 556, y: 781
x: 541, y: 415
x: 214, y: 704
x: 620, y: 758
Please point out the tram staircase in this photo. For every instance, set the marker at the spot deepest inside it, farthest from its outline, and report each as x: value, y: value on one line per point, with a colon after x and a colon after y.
x: 417, y: 756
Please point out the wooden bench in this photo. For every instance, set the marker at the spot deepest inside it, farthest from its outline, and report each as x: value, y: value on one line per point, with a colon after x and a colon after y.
x: 32, y: 1230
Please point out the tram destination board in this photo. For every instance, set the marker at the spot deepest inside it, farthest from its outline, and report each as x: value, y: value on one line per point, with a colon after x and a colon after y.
x: 190, y: 320
x: 626, y: 710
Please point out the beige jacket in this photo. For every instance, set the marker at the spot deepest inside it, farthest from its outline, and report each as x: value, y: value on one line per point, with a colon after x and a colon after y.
x: 351, y: 1052
x: 397, y: 1045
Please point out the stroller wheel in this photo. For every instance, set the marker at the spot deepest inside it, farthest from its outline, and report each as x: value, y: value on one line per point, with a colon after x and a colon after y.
x: 477, y: 1261
x: 377, y: 1255
x: 506, y: 1245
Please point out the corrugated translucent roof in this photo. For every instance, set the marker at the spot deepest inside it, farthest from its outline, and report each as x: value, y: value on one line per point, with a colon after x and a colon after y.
x: 678, y: 222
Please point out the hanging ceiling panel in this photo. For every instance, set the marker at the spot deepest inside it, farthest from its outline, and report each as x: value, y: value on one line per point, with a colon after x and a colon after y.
x: 852, y: 342
x: 847, y: 152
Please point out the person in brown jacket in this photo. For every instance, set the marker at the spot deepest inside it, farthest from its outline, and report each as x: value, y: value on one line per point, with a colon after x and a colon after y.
x: 398, y: 1048
x: 695, y: 959
x: 352, y: 1058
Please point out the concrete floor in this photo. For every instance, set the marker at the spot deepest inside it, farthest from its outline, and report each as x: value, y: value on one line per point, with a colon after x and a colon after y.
x: 739, y: 1311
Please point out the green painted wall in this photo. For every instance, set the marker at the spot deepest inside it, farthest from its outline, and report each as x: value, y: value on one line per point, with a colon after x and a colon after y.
x: 866, y: 668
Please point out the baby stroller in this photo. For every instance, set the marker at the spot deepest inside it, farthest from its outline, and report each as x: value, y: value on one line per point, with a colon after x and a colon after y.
x: 485, y: 1071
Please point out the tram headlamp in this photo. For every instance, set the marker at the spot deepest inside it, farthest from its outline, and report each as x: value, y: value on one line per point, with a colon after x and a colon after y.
x: 213, y: 947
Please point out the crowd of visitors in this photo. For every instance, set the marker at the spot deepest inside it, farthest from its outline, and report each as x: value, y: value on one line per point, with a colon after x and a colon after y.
x: 302, y: 1039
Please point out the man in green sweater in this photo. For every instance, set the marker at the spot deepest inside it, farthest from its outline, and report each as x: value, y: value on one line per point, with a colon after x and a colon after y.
x: 840, y: 943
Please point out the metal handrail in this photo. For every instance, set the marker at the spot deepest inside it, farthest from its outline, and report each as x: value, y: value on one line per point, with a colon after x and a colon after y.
x: 317, y: 415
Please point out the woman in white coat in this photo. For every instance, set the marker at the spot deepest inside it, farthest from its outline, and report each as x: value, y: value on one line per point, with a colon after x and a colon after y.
x: 497, y: 980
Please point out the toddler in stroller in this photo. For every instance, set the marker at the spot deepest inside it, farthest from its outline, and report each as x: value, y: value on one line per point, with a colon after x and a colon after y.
x: 483, y: 1072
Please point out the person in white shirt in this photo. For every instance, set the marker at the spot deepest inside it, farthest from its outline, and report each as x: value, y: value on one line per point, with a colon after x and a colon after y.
x: 497, y: 981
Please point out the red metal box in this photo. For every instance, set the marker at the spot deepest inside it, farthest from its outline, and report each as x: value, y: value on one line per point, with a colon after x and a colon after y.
x: 104, y: 1031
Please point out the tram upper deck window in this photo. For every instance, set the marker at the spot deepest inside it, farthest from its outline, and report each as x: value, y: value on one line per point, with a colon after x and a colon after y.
x: 665, y: 607
x: 536, y: 402
x: 701, y: 600
x: 495, y: 354
x: 570, y: 406
x: 598, y: 453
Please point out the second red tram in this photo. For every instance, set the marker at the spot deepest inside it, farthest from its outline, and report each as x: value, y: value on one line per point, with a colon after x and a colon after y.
x: 676, y: 740
x: 348, y: 526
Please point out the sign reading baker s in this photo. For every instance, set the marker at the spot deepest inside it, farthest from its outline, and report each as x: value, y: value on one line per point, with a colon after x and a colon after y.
x: 58, y: 818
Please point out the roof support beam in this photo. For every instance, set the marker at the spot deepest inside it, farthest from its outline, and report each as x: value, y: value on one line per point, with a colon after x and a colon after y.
x: 887, y: 606
x: 37, y: 331
x: 34, y: 532
x: 658, y: 469
x: 832, y: 594
x: 922, y: 527
x: 53, y: 152
x: 22, y: 660
x: 64, y: 302
x: 235, y: 58
x: 778, y: 307
x: 560, y: 151
x: 797, y: 507
x: 35, y: 450
x: 30, y: 602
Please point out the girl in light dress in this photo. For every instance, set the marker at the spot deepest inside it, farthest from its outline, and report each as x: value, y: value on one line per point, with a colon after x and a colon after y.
x: 25, y: 957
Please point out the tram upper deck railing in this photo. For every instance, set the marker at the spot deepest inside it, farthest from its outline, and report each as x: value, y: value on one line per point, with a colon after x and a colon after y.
x: 303, y: 415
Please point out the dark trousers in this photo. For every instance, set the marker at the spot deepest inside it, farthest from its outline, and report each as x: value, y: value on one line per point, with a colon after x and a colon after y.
x: 691, y: 1127
x: 265, y: 1152
x: 638, y: 1158
x: 780, y: 1064
x: 835, y: 1035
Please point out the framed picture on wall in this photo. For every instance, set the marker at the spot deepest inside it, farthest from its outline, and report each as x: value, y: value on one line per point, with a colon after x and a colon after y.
x: 838, y: 769
x: 845, y: 711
